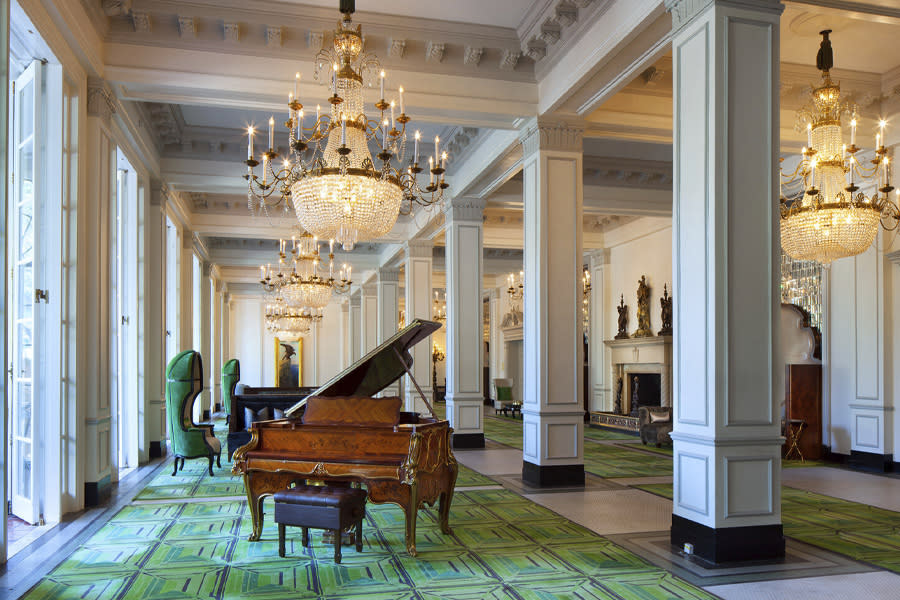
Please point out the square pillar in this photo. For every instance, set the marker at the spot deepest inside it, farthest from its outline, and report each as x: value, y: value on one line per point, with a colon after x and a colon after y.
x: 553, y: 413
x: 465, y: 346
x: 726, y: 276
x: 601, y: 382
x: 418, y: 306
x: 345, y: 334
x: 355, y: 325
x: 388, y: 283
x: 205, y: 349
x: 368, y: 337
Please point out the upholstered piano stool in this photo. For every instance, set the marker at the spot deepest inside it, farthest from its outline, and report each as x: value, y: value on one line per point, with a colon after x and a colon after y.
x: 320, y: 507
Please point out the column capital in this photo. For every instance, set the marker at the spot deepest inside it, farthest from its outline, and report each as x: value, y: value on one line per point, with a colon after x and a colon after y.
x: 419, y: 248
x: 464, y: 209
x: 683, y: 11
x: 564, y: 135
x: 206, y: 267
x: 355, y: 300
x: 491, y: 294
x: 599, y: 258
x: 369, y: 288
x: 100, y: 101
x: 388, y: 275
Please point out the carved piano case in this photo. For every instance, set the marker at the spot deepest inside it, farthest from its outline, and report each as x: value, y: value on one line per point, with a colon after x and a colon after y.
x: 346, y: 435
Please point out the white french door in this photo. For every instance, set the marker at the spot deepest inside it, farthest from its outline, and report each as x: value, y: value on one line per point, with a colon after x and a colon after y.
x: 24, y: 415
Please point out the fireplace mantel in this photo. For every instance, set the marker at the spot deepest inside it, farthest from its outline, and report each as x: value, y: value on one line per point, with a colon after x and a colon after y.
x: 642, y: 355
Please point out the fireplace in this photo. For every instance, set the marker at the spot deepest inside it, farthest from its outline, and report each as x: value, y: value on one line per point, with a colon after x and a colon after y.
x: 643, y: 389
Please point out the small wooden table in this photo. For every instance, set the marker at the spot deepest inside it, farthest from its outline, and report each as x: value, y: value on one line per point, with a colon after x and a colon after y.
x: 792, y: 431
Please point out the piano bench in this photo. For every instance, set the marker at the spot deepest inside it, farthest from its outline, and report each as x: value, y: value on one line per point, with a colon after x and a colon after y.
x: 320, y: 507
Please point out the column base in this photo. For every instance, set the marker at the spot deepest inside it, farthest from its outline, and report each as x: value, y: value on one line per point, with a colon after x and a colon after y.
x: 157, y: 449
x: 468, y: 440
x: 729, y: 544
x: 97, y: 492
x: 869, y: 461
x: 552, y: 475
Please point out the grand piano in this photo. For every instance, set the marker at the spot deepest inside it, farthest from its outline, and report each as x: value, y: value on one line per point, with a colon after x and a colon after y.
x: 341, y: 433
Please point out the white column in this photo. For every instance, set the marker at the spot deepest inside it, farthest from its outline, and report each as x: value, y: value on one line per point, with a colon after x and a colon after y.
x: 355, y: 326
x: 368, y: 318
x: 345, y: 334
x: 726, y: 263
x: 496, y: 340
x: 552, y: 408
x: 418, y: 306
x: 186, y: 301
x: 601, y: 384
x: 205, y: 350
x: 154, y: 321
x: 215, y: 341
x: 465, y: 345
x: 388, y: 283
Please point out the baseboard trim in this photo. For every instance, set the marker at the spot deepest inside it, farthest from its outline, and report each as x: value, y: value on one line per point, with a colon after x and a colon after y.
x: 552, y: 475
x: 468, y: 440
x: 97, y: 492
x: 729, y: 544
x: 870, y: 461
x: 157, y: 449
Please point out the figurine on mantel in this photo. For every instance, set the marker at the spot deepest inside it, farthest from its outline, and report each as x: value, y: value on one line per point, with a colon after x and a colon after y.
x: 643, y: 310
x: 635, y: 396
x: 623, y: 319
x: 665, y: 305
x: 617, y: 407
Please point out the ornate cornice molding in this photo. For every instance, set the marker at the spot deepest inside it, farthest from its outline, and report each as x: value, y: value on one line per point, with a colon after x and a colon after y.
x: 560, y: 136
x: 100, y: 101
x: 419, y: 248
x: 464, y: 209
x: 388, y: 275
x: 599, y: 258
x: 683, y: 11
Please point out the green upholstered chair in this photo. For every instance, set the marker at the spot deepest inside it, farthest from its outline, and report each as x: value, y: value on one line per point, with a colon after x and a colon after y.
x: 503, y: 396
x: 231, y: 374
x: 184, y: 381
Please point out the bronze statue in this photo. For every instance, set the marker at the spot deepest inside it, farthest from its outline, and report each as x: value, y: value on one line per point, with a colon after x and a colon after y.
x: 635, y: 397
x: 643, y: 310
x: 617, y: 407
x: 623, y: 319
x: 665, y: 304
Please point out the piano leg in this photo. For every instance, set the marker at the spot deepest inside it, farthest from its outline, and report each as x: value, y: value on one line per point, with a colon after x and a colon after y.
x: 447, y: 496
x: 258, y: 486
x: 412, y: 511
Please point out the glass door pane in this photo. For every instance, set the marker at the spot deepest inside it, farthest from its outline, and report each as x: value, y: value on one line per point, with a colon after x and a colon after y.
x: 23, y: 494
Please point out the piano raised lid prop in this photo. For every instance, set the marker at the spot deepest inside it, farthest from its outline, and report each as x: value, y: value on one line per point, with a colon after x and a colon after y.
x: 345, y: 434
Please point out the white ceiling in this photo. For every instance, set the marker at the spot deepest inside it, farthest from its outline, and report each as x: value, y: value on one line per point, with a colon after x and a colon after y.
x: 858, y: 44
x: 499, y: 13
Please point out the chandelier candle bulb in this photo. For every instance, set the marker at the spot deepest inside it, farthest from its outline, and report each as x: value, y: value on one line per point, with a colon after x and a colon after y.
x: 853, y: 132
x: 443, y: 160
x: 384, y: 135
x: 343, y: 130
x: 297, y: 84
x: 431, y: 168
x: 809, y: 134
x: 334, y: 79
x: 393, y: 121
x: 437, y: 154
x: 271, y: 132
x: 418, y: 135
x: 881, y: 125
x: 382, y: 85
x: 402, y: 112
x: 249, y: 143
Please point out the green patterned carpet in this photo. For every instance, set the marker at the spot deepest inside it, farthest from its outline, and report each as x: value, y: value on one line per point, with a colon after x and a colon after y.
x: 859, y: 531
x: 503, y: 546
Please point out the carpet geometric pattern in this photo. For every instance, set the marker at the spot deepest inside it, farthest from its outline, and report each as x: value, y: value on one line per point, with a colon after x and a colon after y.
x: 858, y: 531
x: 502, y: 546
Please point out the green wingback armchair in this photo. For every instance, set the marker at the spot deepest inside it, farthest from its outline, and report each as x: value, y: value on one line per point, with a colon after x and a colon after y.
x: 184, y: 381
x: 231, y: 374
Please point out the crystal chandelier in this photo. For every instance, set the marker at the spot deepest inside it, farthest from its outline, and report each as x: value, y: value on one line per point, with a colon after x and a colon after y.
x: 329, y: 176
x: 516, y: 286
x: 287, y: 322
x: 439, y: 308
x: 830, y: 218
x: 303, y: 286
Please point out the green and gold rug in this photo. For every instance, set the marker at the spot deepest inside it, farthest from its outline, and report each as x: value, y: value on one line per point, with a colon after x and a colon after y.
x: 503, y: 546
x: 855, y: 530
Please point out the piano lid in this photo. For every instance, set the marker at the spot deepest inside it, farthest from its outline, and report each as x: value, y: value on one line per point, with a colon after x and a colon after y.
x: 378, y: 369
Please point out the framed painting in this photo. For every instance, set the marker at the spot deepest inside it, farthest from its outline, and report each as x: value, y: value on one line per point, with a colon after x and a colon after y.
x: 288, y: 363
